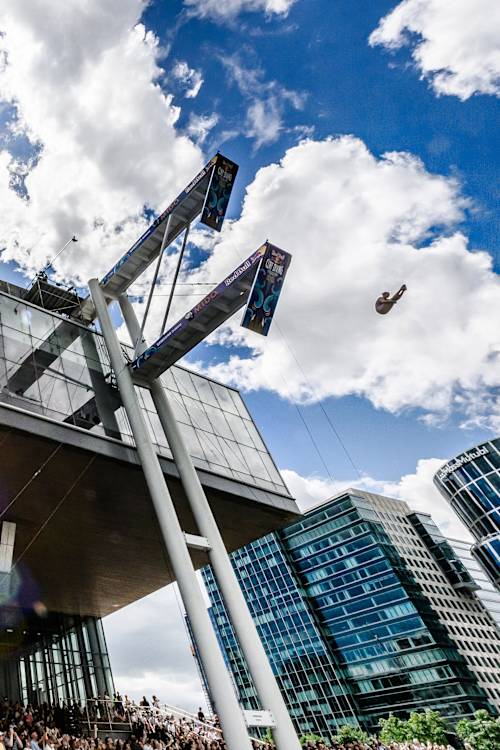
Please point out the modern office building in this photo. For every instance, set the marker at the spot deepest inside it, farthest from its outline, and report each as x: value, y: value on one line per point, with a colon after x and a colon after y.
x: 487, y: 592
x: 453, y: 591
x: 79, y: 536
x: 471, y: 484
x: 364, y: 609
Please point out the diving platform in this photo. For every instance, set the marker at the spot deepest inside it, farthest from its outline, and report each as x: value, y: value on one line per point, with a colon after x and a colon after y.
x: 175, y: 219
x: 214, y: 309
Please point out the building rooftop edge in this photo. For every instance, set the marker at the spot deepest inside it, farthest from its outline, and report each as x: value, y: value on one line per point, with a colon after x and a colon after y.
x: 457, y: 456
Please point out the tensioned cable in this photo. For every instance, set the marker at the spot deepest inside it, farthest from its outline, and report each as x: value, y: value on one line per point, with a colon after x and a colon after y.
x: 153, y: 282
x: 316, y: 446
x: 379, y: 515
x: 313, y: 441
x: 49, y: 517
x: 31, y: 479
x: 188, y: 294
x: 320, y: 404
x: 176, y: 276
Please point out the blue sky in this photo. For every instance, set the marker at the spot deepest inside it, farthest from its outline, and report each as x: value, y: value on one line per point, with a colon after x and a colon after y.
x: 367, y: 148
x: 321, y: 51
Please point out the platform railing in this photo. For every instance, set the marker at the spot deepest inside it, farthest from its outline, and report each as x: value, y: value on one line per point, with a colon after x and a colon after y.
x: 121, y: 716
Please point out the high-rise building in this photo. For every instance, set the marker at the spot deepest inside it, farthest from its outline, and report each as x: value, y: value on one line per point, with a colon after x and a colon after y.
x: 471, y: 484
x: 364, y: 609
x: 452, y: 590
x: 487, y: 592
x: 79, y: 537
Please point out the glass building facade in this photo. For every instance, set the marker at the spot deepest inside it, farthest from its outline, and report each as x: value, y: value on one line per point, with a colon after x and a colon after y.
x: 489, y: 595
x: 308, y: 673
x: 350, y: 631
x: 58, y: 368
x: 471, y: 484
x: 52, y: 658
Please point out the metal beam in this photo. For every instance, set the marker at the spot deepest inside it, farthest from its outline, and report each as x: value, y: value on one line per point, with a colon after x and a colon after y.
x: 181, y: 212
x: 213, y: 310
x: 197, y: 542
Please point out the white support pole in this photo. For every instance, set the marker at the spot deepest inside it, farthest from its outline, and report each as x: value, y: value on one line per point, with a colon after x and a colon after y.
x: 264, y: 680
x: 230, y: 713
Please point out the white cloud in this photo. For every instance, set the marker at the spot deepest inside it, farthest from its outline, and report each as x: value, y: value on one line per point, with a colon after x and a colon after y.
x: 358, y: 225
x: 264, y: 121
x: 417, y: 490
x: 190, y: 78
x: 229, y: 9
x: 310, y: 490
x: 268, y: 100
x: 150, y: 652
x: 199, y: 126
x: 83, y: 79
x: 455, y: 43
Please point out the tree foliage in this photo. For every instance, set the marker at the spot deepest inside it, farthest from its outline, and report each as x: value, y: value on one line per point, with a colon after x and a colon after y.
x: 482, y: 732
x: 310, y: 738
x: 393, y: 729
x: 350, y: 733
x: 425, y: 726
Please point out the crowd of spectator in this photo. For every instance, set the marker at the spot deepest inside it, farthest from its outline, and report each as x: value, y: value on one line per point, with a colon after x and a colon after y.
x: 147, y: 726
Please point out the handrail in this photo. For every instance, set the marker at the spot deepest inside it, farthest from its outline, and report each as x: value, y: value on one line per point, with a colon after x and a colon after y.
x: 131, y: 711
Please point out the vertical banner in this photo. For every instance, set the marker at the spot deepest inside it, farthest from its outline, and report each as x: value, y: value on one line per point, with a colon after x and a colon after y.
x: 218, y: 192
x: 266, y: 290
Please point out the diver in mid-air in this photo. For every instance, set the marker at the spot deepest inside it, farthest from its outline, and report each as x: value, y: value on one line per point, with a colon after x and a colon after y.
x: 385, y: 302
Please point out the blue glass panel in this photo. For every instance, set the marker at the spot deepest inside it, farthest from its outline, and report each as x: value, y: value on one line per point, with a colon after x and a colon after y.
x: 492, y: 496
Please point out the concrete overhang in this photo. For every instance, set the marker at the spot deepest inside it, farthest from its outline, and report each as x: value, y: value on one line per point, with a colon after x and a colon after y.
x: 87, y: 539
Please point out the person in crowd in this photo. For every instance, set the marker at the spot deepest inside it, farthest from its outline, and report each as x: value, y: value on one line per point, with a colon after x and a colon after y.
x: 65, y: 727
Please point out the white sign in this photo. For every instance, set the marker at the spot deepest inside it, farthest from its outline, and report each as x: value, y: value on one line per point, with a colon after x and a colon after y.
x: 259, y: 719
x: 461, y: 460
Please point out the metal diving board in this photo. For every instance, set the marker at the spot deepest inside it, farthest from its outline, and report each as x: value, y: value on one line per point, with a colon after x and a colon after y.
x: 213, y: 310
x: 181, y: 212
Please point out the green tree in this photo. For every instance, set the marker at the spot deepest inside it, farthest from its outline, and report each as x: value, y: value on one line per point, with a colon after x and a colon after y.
x: 482, y: 732
x: 427, y: 726
x: 311, y: 738
x: 393, y: 729
x: 349, y: 733
x: 268, y: 737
